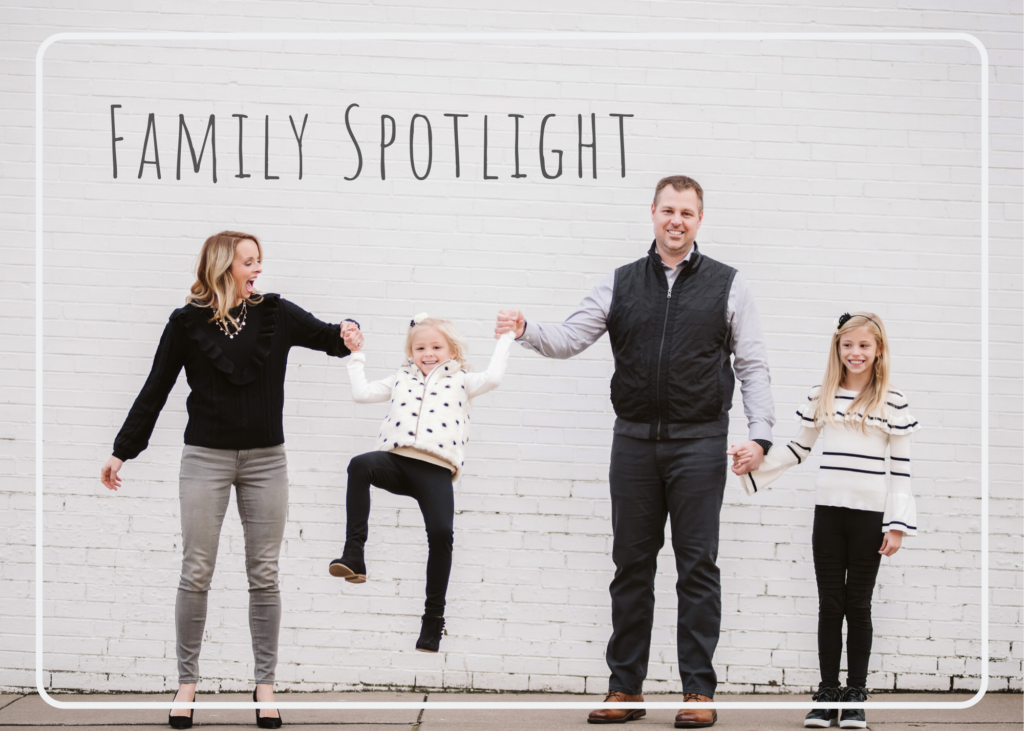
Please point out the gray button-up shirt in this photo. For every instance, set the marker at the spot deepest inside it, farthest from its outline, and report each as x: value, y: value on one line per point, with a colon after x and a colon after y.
x: 750, y: 354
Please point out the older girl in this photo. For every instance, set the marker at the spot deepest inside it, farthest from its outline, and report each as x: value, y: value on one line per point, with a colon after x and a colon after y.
x: 859, y: 515
x: 233, y: 344
x: 420, y: 450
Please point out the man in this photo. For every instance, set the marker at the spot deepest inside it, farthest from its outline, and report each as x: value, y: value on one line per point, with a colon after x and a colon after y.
x: 674, y: 319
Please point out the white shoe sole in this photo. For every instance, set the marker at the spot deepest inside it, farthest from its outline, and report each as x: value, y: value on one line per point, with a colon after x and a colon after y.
x: 816, y: 723
x: 853, y: 724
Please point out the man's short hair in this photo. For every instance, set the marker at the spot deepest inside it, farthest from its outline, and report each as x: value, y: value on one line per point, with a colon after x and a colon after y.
x: 680, y: 183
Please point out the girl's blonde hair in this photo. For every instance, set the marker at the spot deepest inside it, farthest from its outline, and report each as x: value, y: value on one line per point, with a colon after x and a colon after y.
x: 214, y: 286
x: 447, y: 329
x: 871, y: 400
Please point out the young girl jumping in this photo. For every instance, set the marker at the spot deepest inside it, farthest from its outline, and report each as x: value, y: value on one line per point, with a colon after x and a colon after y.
x: 859, y: 516
x: 420, y: 450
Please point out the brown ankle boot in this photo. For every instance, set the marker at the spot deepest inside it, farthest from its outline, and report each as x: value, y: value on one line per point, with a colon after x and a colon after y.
x: 696, y: 717
x: 618, y: 715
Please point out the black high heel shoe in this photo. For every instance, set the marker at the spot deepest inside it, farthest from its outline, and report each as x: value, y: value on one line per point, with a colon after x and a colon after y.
x: 266, y: 722
x: 181, y: 721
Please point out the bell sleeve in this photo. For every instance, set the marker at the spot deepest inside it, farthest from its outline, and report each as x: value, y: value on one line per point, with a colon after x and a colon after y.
x: 900, y: 509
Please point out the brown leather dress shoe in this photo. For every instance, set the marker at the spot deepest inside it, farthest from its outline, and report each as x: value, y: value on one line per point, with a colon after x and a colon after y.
x: 696, y: 717
x: 618, y: 715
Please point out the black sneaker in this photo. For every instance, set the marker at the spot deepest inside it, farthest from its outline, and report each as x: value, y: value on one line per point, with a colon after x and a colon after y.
x: 823, y: 717
x: 349, y: 567
x: 853, y: 717
x: 430, y: 634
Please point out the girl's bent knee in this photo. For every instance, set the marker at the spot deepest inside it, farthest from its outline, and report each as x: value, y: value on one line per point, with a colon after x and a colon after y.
x: 360, y: 464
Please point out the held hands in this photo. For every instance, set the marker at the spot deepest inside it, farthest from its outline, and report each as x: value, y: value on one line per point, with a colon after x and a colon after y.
x: 891, y: 542
x: 108, y: 473
x: 352, y: 336
x: 510, y: 321
x: 746, y: 457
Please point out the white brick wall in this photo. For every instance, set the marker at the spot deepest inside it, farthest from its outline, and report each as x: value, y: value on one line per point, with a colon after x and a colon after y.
x: 839, y: 175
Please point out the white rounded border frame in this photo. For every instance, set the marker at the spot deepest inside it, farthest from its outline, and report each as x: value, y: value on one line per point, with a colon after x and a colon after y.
x: 551, y: 36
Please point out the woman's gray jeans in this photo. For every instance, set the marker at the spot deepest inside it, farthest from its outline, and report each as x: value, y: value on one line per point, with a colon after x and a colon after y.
x: 260, y: 477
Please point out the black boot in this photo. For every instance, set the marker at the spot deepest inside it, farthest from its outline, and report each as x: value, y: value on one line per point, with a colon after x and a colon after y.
x: 853, y: 717
x: 823, y: 717
x: 430, y: 634
x: 350, y: 566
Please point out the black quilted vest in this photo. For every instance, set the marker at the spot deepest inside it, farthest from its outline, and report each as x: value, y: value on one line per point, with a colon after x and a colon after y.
x: 673, y: 376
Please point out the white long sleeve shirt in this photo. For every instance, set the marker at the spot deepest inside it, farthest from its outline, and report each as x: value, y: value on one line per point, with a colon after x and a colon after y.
x: 852, y: 473
x: 429, y: 415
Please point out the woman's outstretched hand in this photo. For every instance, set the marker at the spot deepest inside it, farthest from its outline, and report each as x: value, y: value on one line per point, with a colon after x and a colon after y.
x: 108, y: 474
x: 352, y: 336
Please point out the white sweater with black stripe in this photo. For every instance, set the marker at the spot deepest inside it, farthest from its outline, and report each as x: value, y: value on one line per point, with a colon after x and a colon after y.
x: 853, y: 469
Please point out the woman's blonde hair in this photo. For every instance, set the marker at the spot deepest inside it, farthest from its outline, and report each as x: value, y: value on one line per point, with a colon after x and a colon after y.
x: 871, y: 400
x: 447, y: 329
x: 214, y: 286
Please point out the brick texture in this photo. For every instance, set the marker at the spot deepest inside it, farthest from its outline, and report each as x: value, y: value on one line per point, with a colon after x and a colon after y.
x: 838, y: 176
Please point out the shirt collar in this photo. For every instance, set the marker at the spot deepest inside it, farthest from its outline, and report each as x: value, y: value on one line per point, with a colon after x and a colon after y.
x: 686, y: 258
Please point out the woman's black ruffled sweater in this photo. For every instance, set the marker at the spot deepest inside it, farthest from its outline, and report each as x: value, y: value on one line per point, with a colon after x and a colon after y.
x: 237, y: 398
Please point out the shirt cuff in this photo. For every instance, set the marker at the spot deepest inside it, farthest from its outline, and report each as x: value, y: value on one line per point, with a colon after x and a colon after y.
x: 528, y: 337
x: 760, y: 430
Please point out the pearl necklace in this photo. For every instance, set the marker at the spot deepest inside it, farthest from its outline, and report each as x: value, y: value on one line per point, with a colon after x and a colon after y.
x: 223, y: 324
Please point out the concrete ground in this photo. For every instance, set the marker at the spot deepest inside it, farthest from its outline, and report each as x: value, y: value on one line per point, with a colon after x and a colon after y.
x: 994, y: 713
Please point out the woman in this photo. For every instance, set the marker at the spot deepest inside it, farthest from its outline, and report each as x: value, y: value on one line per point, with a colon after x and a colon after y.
x: 233, y: 343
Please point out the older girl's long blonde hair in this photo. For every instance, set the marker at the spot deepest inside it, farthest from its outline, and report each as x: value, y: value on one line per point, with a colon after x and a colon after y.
x: 871, y: 400
x: 447, y: 329
x: 214, y: 286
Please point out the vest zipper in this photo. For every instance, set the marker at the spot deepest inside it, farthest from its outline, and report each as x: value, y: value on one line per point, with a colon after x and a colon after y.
x: 423, y: 403
x: 657, y: 380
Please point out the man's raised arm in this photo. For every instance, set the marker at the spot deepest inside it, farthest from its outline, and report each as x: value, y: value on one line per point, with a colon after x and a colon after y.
x: 579, y: 331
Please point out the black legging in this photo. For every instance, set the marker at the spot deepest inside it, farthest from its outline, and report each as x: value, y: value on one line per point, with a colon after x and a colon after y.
x: 431, y: 486
x: 846, y: 558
